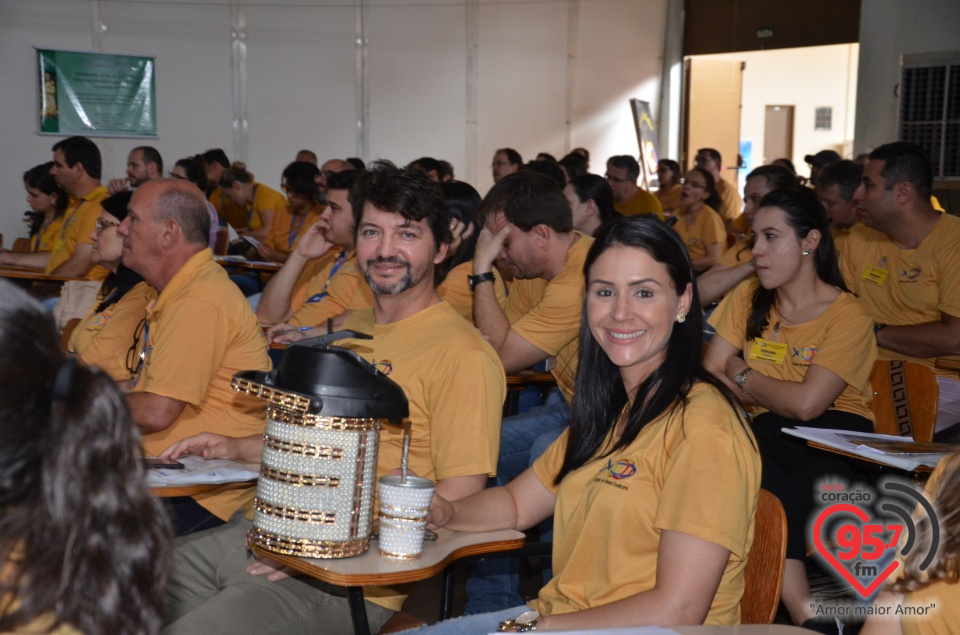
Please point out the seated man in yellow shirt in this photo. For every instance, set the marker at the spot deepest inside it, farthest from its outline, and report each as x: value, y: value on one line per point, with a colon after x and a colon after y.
x: 710, y: 160
x: 76, y: 169
x: 904, y: 263
x: 197, y: 332
x: 453, y: 382
x: 629, y: 198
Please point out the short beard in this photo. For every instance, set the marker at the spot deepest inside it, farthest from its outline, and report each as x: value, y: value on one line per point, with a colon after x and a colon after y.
x: 400, y: 286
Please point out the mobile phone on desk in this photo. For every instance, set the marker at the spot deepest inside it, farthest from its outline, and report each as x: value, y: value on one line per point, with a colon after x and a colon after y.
x: 156, y: 463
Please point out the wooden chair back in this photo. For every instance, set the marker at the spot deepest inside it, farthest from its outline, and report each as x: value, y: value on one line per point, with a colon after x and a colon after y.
x: 763, y: 576
x: 904, y: 399
x: 21, y: 245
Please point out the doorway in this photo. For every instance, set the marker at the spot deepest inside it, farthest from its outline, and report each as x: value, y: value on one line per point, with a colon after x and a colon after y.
x: 777, y: 133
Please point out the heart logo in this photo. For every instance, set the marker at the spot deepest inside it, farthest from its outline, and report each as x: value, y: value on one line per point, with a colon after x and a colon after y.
x: 832, y: 559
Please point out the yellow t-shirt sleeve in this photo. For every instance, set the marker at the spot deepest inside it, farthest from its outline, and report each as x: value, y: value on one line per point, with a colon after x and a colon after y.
x: 554, y: 321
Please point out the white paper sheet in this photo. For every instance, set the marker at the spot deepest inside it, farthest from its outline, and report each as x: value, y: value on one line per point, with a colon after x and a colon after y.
x: 198, y: 471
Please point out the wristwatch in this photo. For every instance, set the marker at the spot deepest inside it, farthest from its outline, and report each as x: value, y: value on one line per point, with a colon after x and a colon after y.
x: 741, y: 380
x: 479, y: 278
x: 526, y: 621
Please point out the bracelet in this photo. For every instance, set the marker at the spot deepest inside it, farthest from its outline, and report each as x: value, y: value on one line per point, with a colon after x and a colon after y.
x: 741, y: 380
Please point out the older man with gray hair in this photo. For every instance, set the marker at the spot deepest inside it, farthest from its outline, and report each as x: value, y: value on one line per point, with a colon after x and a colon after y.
x: 197, y: 332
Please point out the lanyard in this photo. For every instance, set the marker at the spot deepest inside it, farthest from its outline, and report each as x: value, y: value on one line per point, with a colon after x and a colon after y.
x: 323, y: 293
x: 292, y: 234
x: 253, y: 199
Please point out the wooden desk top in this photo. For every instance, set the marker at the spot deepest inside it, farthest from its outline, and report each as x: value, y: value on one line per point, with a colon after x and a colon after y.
x: 192, y: 490
x: 371, y: 568
x: 25, y: 273
x: 527, y: 378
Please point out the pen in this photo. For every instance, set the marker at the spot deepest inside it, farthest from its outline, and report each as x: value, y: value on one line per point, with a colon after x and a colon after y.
x: 299, y: 330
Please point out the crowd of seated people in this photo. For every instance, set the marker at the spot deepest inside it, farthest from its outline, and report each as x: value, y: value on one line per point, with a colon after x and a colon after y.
x: 591, y: 278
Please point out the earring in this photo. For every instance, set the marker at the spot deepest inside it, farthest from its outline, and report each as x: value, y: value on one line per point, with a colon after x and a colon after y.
x: 681, y: 317
x: 806, y: 252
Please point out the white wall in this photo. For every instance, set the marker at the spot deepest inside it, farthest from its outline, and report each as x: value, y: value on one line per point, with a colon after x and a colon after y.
x: 302, y: 80
x: 806, y: 78
x: 889, y: 29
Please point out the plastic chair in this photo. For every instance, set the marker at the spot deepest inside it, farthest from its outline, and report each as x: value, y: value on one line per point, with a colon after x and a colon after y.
x: 904, y: 399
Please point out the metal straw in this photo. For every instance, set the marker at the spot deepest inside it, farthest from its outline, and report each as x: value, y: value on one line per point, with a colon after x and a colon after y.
x: 405, y: 455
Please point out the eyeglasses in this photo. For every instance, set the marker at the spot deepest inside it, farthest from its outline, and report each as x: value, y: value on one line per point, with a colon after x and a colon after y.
x: 103, y: 223
x: 137, y: 353
x: 614, y: 179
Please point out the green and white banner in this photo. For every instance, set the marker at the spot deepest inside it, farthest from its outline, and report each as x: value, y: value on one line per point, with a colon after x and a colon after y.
x: 97, y: 94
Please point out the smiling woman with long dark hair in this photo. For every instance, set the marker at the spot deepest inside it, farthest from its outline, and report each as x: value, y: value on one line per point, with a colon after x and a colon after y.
x: 654, y: 486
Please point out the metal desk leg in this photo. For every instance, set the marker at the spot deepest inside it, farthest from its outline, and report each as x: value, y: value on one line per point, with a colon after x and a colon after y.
x: 446, y: 602
x: 358, y: 611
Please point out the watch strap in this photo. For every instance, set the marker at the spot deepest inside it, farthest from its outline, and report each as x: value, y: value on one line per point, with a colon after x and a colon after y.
x: 479, y: 278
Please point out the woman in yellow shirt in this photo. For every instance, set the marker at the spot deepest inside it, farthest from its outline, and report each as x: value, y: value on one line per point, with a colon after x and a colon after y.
x: 47, y: 202
x: 799, y: 348
x: 260, y: 201
x: 668, y: 175
x: 698, y: 223
x: 84, y: 545
x: 654, y: 486
x: 104, y: 337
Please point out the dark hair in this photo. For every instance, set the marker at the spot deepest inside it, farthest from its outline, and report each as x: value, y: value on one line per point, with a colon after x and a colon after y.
x: 594, y: 187
x: 425, y: 165
x: 193, y: 166
x: 549, y: 169
x: 803, y: 213
x: 776, y: 177
x: 347, y: 180
x: 300, y: 178
x: 216, y: 156
x: 82, y: 539
x: 409, y: 193
x: 625, y: 161
x: 905, y: 162
x: 187, y: 207
x: 713, y: 196
x: 713, y: 154
x: 574, y: 165
x: 845, y: 174
x: 151, y: 155
x: 671, y: 165
x: 528, y: 199
x: 787, y: 164
x: 39, y: 178
x: 117, y: 283
x: 81, y: 150
x: 358, y: 164
x: 463, y: 200
x: 599, y: 395
x: 309, y: 153
x: 512, y: 155
x: 446, y: 170
x: 582, y: 152
x: 545, y: 156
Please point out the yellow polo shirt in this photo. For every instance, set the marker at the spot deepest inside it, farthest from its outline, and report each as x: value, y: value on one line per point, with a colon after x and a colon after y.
x: 79, y: 222
x: 547, y: 314
x: 46, y: 238
x: 104, y: 338
x: 732, y: 204
x: 200, y: 332
x: 286, y: 228
x: 643, y: 202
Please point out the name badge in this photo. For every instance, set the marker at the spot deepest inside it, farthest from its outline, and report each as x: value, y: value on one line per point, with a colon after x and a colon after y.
x: 876, y: 275
x: 767, y: 351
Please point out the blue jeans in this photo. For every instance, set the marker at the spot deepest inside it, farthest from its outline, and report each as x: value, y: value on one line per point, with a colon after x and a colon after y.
x: 492, y: 583
x: 480, y: 624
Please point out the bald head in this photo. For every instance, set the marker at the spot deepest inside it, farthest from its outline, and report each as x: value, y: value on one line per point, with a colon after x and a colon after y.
x: 182, y: 202
x: 336, y: 165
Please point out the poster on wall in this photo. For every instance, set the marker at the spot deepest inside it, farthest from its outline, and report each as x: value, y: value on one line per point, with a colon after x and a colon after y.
x: 647, y: 139
x: 96, y: 94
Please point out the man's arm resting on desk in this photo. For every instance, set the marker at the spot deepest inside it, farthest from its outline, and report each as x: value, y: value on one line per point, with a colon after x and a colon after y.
x: 930, y: 339
x: 36, y: 260
x: 79, y: 264
x: 153, y: 413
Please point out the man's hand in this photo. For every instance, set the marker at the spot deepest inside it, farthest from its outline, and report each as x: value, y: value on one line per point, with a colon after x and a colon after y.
x: 314, y: 243
x: 273, y: 570
x: 206, y: 444
x: 270, y: 254
x: 116, y: 186
x: 288, y: 333
x: 489, y: 245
